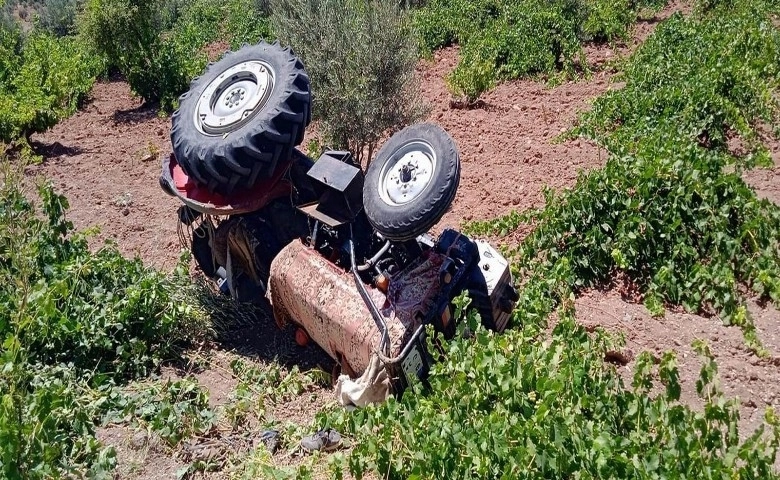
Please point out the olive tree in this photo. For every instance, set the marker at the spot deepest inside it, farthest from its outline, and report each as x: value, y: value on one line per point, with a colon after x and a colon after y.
x: 361, y: 56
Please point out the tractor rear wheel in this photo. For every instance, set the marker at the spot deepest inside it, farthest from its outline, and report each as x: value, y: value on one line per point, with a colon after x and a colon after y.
x: 242, y: 117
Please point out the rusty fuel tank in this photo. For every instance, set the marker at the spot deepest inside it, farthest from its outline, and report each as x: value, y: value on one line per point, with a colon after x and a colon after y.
x: 313, y: 293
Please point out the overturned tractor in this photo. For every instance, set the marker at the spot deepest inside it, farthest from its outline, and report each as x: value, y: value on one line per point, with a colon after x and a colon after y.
x: 345, y: 256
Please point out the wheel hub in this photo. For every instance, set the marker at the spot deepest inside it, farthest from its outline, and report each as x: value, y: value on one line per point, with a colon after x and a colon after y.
x: 234, y: 97
x: 407, y: 174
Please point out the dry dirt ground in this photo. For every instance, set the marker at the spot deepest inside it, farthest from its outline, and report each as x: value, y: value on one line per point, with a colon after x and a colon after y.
x: 106, y: 159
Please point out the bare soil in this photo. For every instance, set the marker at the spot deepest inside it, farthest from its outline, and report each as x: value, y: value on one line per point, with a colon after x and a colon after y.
x: 506, y: 146
x: 754, y: 381
x: 106, y: 160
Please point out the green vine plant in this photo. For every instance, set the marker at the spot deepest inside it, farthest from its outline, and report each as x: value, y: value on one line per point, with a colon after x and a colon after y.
x: 671, y: 213
x: 527, y: 404
x: 670, y: 209
x: 75, y: 326
x: 510, y: 39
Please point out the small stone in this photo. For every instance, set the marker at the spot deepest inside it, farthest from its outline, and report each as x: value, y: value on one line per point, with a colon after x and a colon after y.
x: 138, y: 441
x: 125, y: 211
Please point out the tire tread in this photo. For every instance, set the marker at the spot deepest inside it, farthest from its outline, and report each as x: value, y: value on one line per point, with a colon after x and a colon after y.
x: 224, y: 164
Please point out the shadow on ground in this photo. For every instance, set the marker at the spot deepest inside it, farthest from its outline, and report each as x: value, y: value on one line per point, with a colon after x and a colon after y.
x: 55, y: 149
x: 140, y: 114
x: 250, y: 331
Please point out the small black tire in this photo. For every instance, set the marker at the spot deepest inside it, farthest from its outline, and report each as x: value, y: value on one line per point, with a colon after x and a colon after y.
x: 242, y: 117
x: 412, y: 182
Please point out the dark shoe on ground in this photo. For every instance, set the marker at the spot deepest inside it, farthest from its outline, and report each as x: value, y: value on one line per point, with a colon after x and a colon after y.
x: 270, y: 438
x: 324, y: 440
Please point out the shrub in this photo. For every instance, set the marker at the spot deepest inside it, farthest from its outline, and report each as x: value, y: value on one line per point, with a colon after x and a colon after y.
x: 10, y: 50
x: 608, y: 19
x: 503, y: 39
x: 247, y: 22
x: 59, y: 16
x: 129, y: 34
x: 42, y: 80
x: 160, y: 49
x: 7, y: 21
x: 519, y: 405
x: 521, y: 43
x: 706, y: 83
x: 693, y: 85
x: 670, y: 209
x: 72, y: 324
x: 361, y: 59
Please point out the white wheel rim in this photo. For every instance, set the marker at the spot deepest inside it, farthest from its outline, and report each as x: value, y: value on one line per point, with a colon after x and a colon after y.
x: 234, y: 97
x: 408, y: 173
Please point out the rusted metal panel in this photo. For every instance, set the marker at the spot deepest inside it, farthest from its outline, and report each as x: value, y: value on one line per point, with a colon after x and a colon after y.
x: 308, y: 290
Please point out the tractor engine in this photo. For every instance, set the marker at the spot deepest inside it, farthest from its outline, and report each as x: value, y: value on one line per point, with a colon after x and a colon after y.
x: 353, y: 309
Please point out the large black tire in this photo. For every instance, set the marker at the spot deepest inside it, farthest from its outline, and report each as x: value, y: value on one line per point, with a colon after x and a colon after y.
x: 241, y: 117
x: 412, y: 182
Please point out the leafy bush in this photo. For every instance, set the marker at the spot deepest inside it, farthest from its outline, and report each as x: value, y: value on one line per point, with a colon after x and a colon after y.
x: 72, y: 324
x: 7, y: 21
x: 42, y: 80
x: 59, y: 16
x: 670, y: 209
x: 10, y: 48
x: 670, y: 216
x: 361, y: 59
x: 160, y: 49
x: 504, y: 39
x: 129, y: 34
x: 522, y: 42
x: 519, y: 405
x: 691, y: 87
x: 608, y: 19
x: 246, y: 22
x: 695, y: 80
